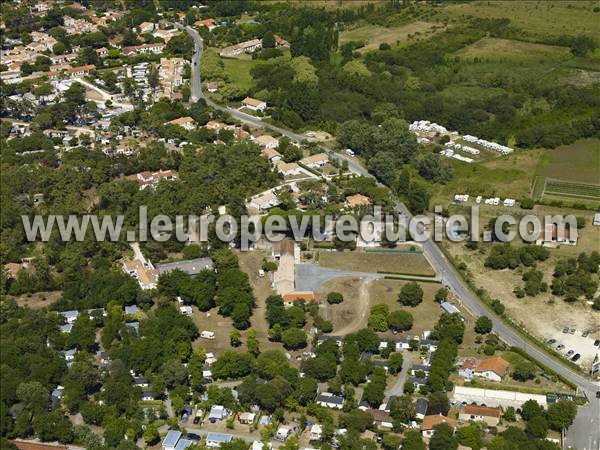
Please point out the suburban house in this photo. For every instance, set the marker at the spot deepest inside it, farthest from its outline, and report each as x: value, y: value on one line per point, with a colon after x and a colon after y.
x: 166, y: 35
x: 493, y: 368
x: 254, y: 104
x: 151, y: 179
x: 246, y: 418
x: 147, y: 277
x: 487, y: 414
x: 144, y: 48
x: 267, y: 141
x: 382, y: 419
x: 212, y: 86
x: 242, y: 47
x: 211, y: 24
x: 146, y: 27
x: 288, y: 169
x: 184, y: 122
x: 80, y: 71
x: 317, y: 161
x: 280, y: 42
x: 431, y: 421
x: 291, y: 298
x: 217, y: 439
x: 329, y: 400
x: 271, y: 154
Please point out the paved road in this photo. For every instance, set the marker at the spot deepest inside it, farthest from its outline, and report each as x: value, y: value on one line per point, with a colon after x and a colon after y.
x: 586, y: 417
x: 398, y: 388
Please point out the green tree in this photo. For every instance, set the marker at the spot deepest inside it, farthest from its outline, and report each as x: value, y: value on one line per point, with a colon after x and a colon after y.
x: 470, y: 436
x: 537, y: 427
x: 334, y: 298
x: 400, y: 320
x: 443, y: 438
x: 561, y: 414
x: 293, y: 338
x: 411, y: 294
x: 483, y: 325
x: 413, y: 440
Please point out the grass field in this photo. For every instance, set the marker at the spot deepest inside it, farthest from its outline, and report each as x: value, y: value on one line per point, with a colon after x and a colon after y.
x: 571, y: 189
x: 507, y: 176
x: 578, y: 162
x: 361, y: 261
x: 238, y: 71
x: 508, y: 49
x: 552, y: 18
x: 373, y: 35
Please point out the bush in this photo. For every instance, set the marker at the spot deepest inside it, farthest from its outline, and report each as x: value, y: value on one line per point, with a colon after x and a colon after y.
x: 334, y: 298
x: 483, y: 325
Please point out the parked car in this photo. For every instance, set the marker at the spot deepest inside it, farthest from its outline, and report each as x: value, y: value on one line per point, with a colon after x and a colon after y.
x: 560, y: 347
x: 597, y: 343
x: 575, y: 357
x: 572, y: 331
x: 565, y: 330
x: 551, y: 341
x: 569, y: 353
x: 597, y: 394
x: 586, y: 333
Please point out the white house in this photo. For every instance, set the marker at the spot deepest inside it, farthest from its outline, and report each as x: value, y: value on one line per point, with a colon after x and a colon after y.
x: 266, y: 141
x: 254, y: 104
x: 317, y: 161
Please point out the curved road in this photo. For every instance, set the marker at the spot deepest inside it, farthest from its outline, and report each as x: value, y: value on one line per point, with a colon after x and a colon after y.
x: 583, y: 436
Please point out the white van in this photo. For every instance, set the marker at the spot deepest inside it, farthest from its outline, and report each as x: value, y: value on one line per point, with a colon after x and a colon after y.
x: 207, y: 335
x: 349, y: 152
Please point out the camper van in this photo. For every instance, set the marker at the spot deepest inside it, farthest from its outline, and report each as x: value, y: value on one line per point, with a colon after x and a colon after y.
x: 349, y: 152
x: 207, y: 335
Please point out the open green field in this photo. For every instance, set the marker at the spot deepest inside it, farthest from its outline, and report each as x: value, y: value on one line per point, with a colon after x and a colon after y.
x: 571, y: 189
x: 373, y: 35
x: 503, y: 49
x: 549, y: 18
x: 578, y: 162
x: 238, y: 71
x: 361, y: 261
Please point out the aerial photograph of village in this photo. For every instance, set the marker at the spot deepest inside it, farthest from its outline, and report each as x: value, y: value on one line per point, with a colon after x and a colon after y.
x: 300, y: 224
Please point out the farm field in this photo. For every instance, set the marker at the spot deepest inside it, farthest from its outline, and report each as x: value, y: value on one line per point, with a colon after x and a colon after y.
x: 509, y: 49
x: 362, y: 261
x: 538, y: 18
x: 373, y: 35
x: 578, y: 162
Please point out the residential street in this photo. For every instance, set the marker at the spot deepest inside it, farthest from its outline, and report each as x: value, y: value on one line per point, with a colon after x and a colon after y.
x: 587, y: 417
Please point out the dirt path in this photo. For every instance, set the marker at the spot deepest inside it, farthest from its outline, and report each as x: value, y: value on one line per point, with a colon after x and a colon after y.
x: 362, y: 310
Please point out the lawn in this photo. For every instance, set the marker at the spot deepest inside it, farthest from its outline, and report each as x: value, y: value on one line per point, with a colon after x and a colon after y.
x: 361, y: 261
x: 578, y: 162
x: 238, y: 71
x: 508, y: 49
x: 373, y: 35
x: 539, y: 18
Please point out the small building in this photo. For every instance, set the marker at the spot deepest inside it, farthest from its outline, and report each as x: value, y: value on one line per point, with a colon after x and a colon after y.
x: 186, y: 310
x: 316, y: 432
x: 596, y: 221
x: 329, y: 400
x: 146, y: 27
x: 449, y: 308
x: 291, y: 298
x: 254, y: 104
x: 243, y: 47
x: 140, y: 382
x: 429, y: 422
x: 147, y: 396
x: 211, y: 24
x: 80, y: 71
x: 66, y: 328
x: 170, y: 440
x: 217, y: 439
x: 489, y: 415
x: 212, y: 86
x: 270, y: 154
x: 131, y: 309
x: 246, y: 418
x: 288, y: 169
x: 493, y: 368
x: 70, y: 316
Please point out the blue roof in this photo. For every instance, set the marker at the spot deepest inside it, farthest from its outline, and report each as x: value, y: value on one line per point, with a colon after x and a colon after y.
x: 68, y: 314
x: 171, y: 438
x: 66, y: 328
x: 219, y: 437
x: 131, y: 309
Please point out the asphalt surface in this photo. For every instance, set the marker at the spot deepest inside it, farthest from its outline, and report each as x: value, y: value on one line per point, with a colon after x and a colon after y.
x: 585, y: 432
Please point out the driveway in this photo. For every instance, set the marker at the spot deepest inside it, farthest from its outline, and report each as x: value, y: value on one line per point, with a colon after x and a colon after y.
x: 310, y: 277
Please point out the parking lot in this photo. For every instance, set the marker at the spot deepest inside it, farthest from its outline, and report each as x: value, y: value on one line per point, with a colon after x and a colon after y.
x: 577, y: 344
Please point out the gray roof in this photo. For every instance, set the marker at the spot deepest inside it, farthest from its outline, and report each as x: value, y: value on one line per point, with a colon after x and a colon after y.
x: 449, y: 308
x: 335, y: 399
x: 69, y: 314
x: 189, y: 266
x: 132, y: 309
x: 420, y: 367
x: 171, y: 438
x: 421, y: 406
x: 219, y: 437
x: 183, y: 444
x: 416, y: 380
